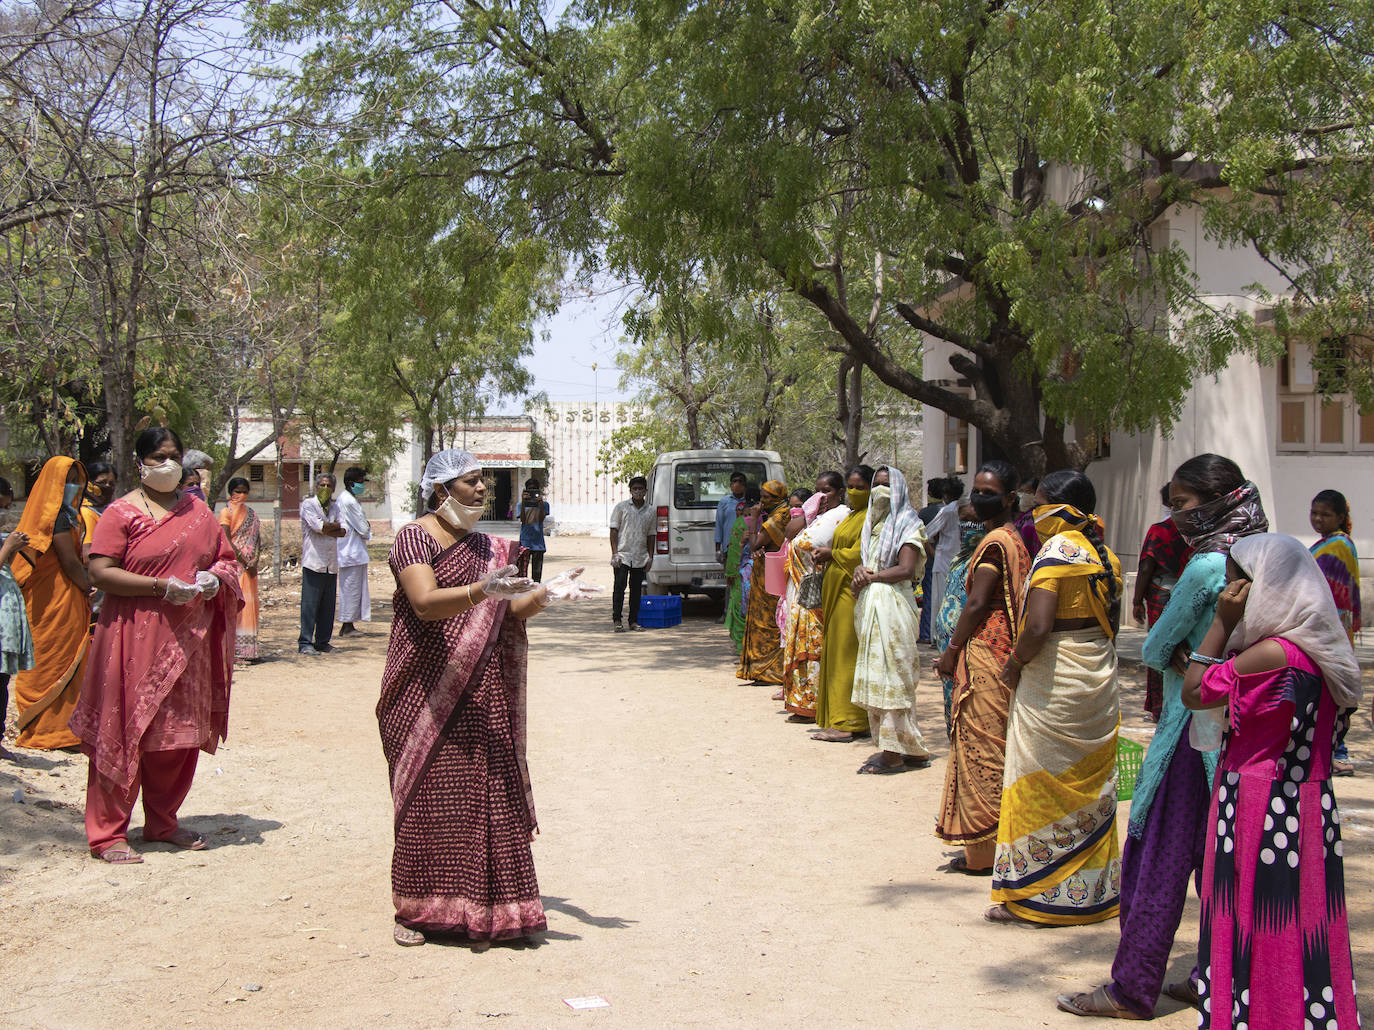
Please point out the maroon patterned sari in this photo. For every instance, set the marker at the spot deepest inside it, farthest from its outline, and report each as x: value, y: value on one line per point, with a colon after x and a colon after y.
x: 452, y: 719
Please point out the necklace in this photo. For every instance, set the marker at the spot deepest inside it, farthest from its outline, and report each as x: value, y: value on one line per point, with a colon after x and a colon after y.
x: 148, y: 506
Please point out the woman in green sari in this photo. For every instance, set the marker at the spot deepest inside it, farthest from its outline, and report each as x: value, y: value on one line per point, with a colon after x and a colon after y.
x: 838, y: 718
x: 736, y: 556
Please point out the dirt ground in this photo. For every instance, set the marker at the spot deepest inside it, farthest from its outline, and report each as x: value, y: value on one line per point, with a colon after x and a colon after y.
x: 703, y: 863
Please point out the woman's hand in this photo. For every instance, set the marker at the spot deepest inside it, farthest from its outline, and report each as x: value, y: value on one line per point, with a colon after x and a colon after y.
x: 1179, y: 660
x: 862, y: 577
x: 1231, y: 603
x: 1138, y: 612
x: 822, y: 556
x: 1010, y: 676
x: 14, y: 543
x: 948, y: 662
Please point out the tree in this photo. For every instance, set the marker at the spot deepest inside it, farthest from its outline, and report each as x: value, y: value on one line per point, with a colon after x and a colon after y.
x: 989, y: 174
x: 129, y: 134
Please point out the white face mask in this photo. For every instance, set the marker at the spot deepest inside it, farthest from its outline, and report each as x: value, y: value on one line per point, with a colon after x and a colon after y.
x: 162, y: 477
x: 459, y: 516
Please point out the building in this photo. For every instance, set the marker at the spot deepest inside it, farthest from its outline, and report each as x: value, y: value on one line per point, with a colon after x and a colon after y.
x: 1269, y: 419
x: 580, y: 495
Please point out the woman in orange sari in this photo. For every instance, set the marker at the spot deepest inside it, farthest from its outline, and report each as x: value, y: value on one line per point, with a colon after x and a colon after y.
x: 760, y: 657
x: 978, y: 648
x: 244, y: 530
x: 57, y: 595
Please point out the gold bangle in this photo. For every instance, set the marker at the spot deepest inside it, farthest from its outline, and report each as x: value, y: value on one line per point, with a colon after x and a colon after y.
x: 468, y: 593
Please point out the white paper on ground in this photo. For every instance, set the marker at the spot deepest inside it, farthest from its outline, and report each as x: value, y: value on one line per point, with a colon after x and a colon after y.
x: 594, y: 1001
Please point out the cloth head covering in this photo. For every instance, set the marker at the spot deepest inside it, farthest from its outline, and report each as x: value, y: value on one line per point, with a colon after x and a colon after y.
x: 1289, y: 598
x: 194, y: 459
x: 811, y: 507
x: 772, y: 494
x: 1219, y: 523
x: 41, y: 509
x: 901, y: 522
x: 445, y: 467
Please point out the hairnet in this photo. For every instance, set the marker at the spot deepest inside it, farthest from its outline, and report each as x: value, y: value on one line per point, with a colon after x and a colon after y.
x: 445, y: 467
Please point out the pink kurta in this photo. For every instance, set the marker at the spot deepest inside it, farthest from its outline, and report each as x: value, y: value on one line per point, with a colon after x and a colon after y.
x: 158, y: 674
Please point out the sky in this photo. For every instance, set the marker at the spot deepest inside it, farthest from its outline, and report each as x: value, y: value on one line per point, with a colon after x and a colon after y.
x: 586, y: 330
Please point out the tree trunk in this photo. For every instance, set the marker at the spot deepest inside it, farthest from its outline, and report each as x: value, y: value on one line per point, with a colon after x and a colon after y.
x: 849, y: 407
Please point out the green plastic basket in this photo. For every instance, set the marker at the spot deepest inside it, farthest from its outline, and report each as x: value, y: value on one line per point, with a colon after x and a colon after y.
x: 1130, y: 756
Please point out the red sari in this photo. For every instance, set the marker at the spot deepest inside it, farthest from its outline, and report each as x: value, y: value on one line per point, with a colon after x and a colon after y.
x: 452, y: 720
x: 158, y: 674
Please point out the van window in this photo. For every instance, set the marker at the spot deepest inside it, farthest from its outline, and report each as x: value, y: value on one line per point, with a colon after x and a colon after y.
x: 701, y: 484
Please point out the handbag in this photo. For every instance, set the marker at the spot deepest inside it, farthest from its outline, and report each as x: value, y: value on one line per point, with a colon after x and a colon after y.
x: 809, y: 589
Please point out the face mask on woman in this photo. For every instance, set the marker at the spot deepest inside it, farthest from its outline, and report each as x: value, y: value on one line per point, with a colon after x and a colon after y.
x: 458, y: 515
x: 858, y: 499
x: 987, y: 506
x: 162, y: 476
x: 880, y: 500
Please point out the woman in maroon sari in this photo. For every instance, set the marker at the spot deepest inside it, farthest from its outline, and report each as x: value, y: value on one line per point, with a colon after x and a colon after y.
x: 156, y: 690
x: 1162, y: 557
x: 452, y: 719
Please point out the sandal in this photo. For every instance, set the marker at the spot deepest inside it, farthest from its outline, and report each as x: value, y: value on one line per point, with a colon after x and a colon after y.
x: 406, y: 937
x: 779, y: 696
x: 833, y: 736
x: 120, y: 853
x: 1184, y: 991
x: 184, y: 839
x: 1096, y: 1003
x: 1002, y: 914
x: 959, y: 864
x: 875, y: 766
x: 1339, y: 768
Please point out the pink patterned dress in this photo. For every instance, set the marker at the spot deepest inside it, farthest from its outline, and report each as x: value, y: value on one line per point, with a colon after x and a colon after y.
x: 452, y: 719
x: 1275, y: 943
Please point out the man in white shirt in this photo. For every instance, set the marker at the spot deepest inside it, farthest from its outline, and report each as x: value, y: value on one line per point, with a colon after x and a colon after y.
x: 320, y: 534
x: 632, y: 544
x: 355, y: 602
x: 943, y: 535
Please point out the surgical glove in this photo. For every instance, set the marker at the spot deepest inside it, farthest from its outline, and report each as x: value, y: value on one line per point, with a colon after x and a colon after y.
x: 505, y: 582
x: 178, y: 592
x: 208, y: 583
x: 567, y: 587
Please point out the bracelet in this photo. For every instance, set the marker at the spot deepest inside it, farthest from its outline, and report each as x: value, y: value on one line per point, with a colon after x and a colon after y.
x: 467, y: 595
x: 1205, y: 659
x: 1013, y: 658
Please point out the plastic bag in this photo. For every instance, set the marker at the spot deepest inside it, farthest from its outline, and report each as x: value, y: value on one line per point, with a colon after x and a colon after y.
x: 1206, y: 729
x: 566, y: 586
x: 504, y: 582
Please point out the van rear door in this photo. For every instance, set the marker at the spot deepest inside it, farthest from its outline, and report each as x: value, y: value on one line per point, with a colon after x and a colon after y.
x: 698, y: 486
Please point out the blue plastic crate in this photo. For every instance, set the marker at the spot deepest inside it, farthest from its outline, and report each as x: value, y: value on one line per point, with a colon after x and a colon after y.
x: 659, y: 612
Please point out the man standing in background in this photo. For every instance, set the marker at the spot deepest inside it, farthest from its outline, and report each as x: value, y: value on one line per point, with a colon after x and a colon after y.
x: 355, y: 602
x: 632, y: 544
x: 533, y: 510
x: 320, y: 535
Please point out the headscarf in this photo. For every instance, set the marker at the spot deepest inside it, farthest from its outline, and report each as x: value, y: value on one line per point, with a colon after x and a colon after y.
x: 41, y: 509
x: 773, y: 497
x: 1219, y: 523
x: 445, y: 467
x: 811, y: 507
x: 900, y: 524
x: 1067, y: 551
x: 1289, y: 598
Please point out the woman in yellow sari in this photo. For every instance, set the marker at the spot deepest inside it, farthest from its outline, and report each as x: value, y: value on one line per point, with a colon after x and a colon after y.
x: 56, y: 593
x: 838, y: 718
x: 803, y: 635
x: 760, y: 656
x: 1057, y: 860
x: 244, y: 530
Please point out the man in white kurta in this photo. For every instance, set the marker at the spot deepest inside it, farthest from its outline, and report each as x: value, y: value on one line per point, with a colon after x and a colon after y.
x: 355, y: 603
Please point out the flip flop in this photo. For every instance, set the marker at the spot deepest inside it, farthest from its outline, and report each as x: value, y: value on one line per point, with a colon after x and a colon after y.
x: 875, y: 767
x: 832, y: 736
x: 119, y: 854
x: 1002, y: 914
x: 1096, y: 1003
x: 1184, y: 991
x: 406, y: 937
x: 959, y: 864
x: 184, y: 839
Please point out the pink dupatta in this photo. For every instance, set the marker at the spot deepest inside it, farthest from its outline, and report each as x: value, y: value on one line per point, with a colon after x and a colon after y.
x: 143, y: 645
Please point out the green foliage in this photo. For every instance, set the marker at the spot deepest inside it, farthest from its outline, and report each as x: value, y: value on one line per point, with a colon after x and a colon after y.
x: 632, y: 449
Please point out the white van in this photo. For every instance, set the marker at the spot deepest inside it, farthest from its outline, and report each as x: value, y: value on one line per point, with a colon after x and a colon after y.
x: 684, y: 489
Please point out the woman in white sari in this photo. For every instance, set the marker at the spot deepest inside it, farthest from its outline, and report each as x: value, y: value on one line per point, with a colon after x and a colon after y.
x: 892, y: 558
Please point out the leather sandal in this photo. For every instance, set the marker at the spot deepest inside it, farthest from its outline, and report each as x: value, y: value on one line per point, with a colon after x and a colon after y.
x: 1096, y: 1003
x: 406, y: 937
x: 184, y: 839
x: 119, y: 853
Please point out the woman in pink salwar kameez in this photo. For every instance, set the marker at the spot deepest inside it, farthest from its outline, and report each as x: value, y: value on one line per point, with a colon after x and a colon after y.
x: 1274, y: 949
x: 156, y: 690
